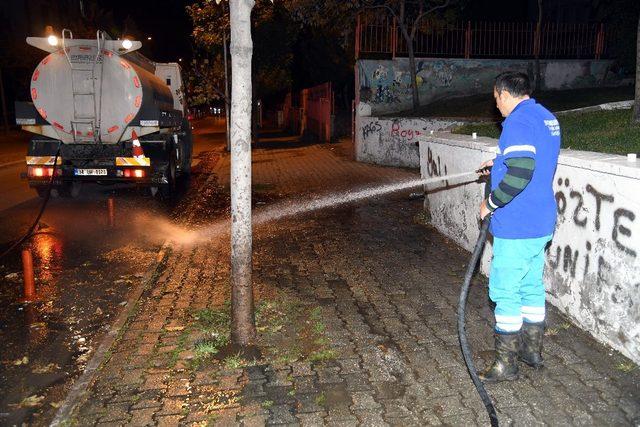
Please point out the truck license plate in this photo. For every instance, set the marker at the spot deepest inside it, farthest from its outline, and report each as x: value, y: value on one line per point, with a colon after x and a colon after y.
x: 91, y: 172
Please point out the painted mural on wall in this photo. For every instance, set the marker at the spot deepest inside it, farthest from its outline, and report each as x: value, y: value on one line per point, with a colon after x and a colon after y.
x: 386, y: 84
x: 593, y: 262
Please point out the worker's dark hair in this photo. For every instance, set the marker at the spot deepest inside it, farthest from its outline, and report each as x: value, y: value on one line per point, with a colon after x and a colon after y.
x: 516, y: 83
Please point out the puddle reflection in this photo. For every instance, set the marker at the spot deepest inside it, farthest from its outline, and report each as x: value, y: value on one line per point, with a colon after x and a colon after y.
x: 48, y: 248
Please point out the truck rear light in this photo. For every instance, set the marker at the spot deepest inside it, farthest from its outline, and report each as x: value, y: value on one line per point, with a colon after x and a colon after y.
x: 42, y: 171
x: 134, y: 173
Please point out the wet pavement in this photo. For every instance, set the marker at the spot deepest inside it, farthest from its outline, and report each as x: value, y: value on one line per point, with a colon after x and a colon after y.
x: 356, y: 321
x: 86, y: 269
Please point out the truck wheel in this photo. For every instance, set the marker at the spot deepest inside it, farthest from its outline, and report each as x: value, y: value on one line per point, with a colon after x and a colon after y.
x: 168, y: 191
x: 42, y: 191
x: 55, y: 191
x: 70, y: 189
x: 187, y: 147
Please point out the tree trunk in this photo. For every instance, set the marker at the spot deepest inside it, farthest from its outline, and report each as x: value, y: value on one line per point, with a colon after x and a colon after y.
x: 243, y: 329
x: 538, y: 83
x: 636, y: 107
x: 5, y: 113
x: 227, y: 103
x: 414, y: 75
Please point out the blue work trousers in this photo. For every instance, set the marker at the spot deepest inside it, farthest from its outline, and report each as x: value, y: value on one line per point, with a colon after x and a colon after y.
x: 515, y: 282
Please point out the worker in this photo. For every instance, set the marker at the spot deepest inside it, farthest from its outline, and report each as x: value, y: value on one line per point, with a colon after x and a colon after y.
x: 523, y: 217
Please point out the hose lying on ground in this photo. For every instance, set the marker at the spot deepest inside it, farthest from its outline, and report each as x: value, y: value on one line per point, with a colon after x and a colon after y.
x: 42, y: 207
x: 464, y: 344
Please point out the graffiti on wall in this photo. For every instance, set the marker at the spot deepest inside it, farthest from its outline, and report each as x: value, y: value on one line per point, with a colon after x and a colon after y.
x: 400, y: 130
x: 434, y: 166
x: 394, y: 141
x: 611, y: 222
x: 372, y: 128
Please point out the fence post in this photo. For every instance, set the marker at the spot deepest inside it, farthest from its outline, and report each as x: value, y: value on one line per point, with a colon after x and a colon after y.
x: 467, y: 41
x: 536, y: 42
x: 357, y: 35
x: 394, y: 37
x: 600, y: 42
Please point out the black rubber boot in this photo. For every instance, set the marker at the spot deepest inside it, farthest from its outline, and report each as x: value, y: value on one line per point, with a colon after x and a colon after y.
x: 531, y: 344
x: 505, y: 367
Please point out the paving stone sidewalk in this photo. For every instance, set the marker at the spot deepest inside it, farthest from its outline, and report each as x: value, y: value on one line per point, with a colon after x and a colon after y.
x: 387, y: 287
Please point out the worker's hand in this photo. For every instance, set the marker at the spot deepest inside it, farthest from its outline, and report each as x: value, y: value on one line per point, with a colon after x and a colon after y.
x: 485, y: 167
x: 484, y: 210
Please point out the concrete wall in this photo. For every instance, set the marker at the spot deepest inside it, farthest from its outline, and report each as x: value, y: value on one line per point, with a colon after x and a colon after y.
x: 393, y: 141
x: 593, y: 264
x: 385, y: 85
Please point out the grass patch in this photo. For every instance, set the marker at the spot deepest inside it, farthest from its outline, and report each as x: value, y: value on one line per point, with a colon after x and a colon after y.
x: 213, y: 320
x: 322, y: 355
x: 214, y: 324
x: 290, y: 330
x: 625, y: 367
x: 267, y: 404
x: 206, y: 348
x: 235, y: 362
x: 321, y: 399
x: 600, y: 131
x: 180, y: 347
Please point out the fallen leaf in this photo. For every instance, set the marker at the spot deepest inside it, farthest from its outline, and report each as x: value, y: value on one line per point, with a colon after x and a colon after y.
x: 12, y: 277
x: 55, y: 404
x: 45, y: 369
x: 23, y: 361
x: 31, y: 401
x: 174, y: 328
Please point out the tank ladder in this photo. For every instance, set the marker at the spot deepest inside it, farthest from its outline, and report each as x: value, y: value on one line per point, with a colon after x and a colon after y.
x: 85, y: 125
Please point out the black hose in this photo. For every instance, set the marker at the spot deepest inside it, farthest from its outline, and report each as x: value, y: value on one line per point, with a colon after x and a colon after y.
x: 462, y: 335
x: 29, y: 232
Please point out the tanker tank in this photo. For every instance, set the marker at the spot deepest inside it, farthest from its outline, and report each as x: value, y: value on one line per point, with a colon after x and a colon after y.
x: 98, y: 98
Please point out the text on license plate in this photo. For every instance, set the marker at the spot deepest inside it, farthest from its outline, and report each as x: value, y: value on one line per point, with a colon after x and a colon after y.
x: 91, y: 172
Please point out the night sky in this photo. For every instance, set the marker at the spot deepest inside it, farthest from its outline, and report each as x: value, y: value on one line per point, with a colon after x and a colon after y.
x: 166, y: 21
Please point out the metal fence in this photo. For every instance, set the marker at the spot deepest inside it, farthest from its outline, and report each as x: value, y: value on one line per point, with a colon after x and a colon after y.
x: 380, y: 35
x: 309, y: 111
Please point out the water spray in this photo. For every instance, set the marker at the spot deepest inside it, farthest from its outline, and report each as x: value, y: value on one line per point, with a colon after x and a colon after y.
x: 287, y: 209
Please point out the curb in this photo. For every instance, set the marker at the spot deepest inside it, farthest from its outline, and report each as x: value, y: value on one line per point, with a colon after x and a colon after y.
x: 609, y: 106
x: 80, y: 387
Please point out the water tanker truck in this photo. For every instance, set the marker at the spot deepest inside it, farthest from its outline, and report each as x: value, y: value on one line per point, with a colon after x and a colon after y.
x: 116, y: 115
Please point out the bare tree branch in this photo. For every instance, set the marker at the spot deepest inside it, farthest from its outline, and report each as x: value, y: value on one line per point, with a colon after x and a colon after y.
x: 423, y: 14
x: 221, y: 95
x: 379, y: 6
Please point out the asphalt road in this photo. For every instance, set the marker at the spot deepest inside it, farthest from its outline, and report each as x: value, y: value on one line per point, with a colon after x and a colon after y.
x: 85, y: 269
